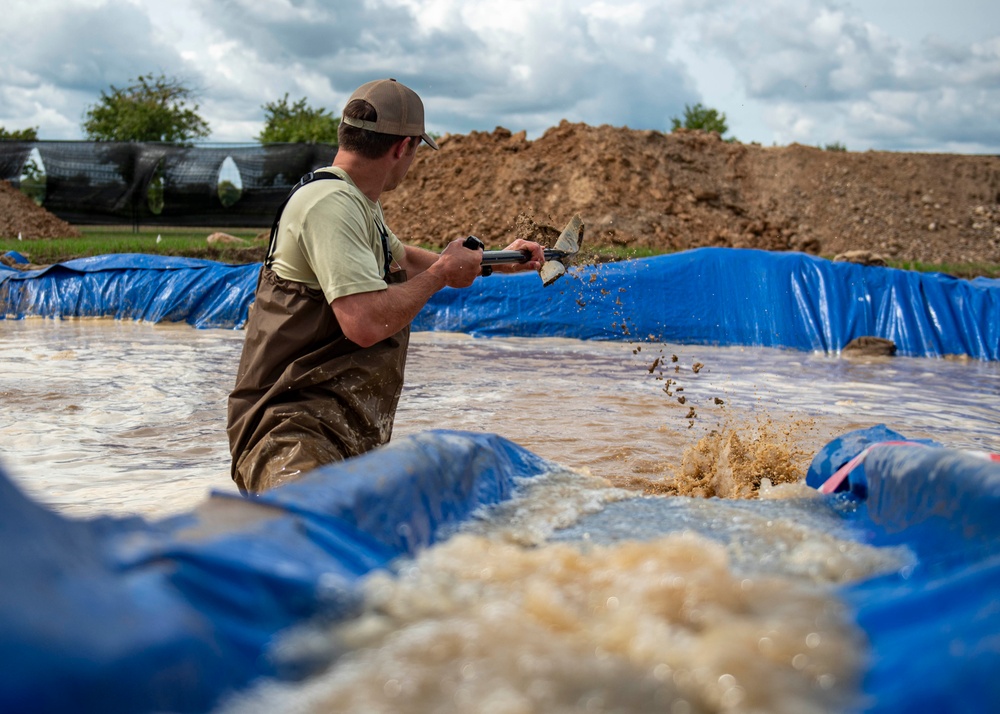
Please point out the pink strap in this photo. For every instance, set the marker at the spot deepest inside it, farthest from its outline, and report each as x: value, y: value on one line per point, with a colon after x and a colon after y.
x: 830, y: 485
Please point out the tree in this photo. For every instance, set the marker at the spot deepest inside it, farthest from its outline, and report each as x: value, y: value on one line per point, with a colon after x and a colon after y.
x: 29, y: 134
x: 150, y: 109
x: 699, y: 117
x: 297, y: 124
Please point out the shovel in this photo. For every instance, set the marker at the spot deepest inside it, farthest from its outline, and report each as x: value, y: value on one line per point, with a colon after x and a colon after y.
x: 556, y: 258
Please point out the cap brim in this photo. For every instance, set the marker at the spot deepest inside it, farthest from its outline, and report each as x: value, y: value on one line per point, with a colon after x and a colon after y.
x: 429, y: 141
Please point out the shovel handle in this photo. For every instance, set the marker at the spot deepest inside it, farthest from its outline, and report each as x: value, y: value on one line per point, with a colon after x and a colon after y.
x: 498, y: 257
x: 495, y: 257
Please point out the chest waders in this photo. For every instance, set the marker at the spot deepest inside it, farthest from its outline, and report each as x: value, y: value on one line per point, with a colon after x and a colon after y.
x: 306, y: 395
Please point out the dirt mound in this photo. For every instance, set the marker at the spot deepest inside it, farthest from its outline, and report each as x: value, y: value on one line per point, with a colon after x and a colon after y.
x: 691, y: 189
x: 19, y: 215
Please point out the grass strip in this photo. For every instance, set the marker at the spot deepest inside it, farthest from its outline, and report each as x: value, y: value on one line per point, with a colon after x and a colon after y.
x: 104, y: 240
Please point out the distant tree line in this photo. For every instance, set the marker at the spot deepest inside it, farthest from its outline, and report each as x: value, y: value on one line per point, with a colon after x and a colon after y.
x: 161, y: 108
x: 19, y: 134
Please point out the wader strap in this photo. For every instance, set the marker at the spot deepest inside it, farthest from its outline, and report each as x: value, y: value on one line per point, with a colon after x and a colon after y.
x: 309, y: 178
x: 384, y: 235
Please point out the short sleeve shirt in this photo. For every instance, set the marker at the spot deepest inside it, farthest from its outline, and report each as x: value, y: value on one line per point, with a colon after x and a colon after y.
x: 329, y: 239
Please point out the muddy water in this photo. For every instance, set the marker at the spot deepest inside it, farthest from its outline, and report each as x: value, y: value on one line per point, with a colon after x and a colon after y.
x: 588, y: 592
x: 115, y: 417
x: 648, y: 604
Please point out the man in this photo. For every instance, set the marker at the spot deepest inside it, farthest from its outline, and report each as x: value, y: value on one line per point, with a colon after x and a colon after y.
x: 326, y: 339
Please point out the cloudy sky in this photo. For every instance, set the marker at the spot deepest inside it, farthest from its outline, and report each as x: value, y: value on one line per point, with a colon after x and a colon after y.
x: 898, y: 75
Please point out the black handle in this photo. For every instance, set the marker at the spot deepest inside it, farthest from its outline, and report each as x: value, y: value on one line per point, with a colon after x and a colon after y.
x: 473, y: 243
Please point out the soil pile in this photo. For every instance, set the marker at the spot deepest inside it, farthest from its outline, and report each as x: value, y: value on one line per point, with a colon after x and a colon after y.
x: 19, y: 215
x: 691, y: 189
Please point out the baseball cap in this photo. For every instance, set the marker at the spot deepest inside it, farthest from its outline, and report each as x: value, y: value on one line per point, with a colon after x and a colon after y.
x: 400, y: 111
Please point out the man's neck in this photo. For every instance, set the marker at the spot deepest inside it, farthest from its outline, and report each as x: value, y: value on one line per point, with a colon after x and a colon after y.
x: 369, y: 176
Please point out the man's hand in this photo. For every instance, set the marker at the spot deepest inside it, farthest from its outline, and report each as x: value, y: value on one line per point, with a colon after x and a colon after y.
x: 534, y: 262
x: 457, y: 266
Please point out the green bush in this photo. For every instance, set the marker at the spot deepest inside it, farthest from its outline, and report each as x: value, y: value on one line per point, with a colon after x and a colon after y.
x: 700, y: 117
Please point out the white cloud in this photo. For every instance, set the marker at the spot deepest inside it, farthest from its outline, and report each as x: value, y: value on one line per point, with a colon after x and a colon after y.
x: 813, y: 71
x: 824, y: 73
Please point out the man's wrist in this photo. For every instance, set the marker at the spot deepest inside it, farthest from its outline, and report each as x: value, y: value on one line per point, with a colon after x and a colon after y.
x: 433, y: 272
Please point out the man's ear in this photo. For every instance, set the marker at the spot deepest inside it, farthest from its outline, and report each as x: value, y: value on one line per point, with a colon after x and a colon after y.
x: 402, y: 147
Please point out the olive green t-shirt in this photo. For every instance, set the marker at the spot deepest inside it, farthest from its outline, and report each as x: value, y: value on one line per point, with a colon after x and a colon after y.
x: 328, y: 239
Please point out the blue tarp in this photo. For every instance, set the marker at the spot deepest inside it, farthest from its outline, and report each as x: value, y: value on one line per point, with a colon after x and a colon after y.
x: 150, y: 288
x: 934, y: 629
x: 120, y: 615
x: 713, y: 296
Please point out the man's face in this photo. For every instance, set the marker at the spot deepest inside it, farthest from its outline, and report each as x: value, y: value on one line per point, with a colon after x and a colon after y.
x: 400, y: 168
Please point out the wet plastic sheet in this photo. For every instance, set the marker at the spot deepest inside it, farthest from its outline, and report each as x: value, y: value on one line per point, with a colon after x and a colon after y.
x: 202, y: 293
x: 121, y: 615
x: 717, y: 296
x: 934, y: 629
x: 725, y: 296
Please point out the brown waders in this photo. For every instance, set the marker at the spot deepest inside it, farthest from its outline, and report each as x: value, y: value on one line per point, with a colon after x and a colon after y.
x: 306, y: 395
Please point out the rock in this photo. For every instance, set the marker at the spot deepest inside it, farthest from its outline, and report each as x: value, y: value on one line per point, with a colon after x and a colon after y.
x: 870, y: 346
x: 862, y: 257
x: 219, y: 237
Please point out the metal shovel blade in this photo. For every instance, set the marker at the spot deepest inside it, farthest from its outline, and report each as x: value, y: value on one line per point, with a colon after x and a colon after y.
x: 567, y: 246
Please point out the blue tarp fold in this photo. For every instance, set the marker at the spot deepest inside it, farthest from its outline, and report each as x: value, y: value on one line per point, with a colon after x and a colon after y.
x: 121, y: 615
x: 934, y: 629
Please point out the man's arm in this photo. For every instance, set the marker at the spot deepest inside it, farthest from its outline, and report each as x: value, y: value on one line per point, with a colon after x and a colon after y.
x: 370, y: 317
x: 417, y: 260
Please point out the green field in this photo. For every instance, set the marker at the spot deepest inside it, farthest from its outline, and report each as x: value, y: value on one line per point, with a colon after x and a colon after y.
x: 103, y: 240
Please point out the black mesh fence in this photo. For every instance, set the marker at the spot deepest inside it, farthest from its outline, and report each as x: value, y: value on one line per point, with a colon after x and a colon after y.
x: 152, y: 183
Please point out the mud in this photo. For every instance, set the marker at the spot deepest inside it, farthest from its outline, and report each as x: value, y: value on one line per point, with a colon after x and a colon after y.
x: 733, y: 462
x: 645, y: 189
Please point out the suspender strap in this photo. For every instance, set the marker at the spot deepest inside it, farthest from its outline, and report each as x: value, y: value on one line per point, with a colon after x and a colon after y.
x: 309, y: 178
x: 386, y: 254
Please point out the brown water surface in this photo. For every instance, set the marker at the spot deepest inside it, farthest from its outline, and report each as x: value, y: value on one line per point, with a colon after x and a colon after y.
x: 101, y: 416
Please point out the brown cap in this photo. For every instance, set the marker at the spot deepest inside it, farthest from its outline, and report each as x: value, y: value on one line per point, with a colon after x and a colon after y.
x: 398, y: 109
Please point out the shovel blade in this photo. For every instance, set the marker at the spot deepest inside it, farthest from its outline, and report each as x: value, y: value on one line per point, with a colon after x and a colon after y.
x: 551, y: 271
x: 572, y: 237
x: 568, y: 243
